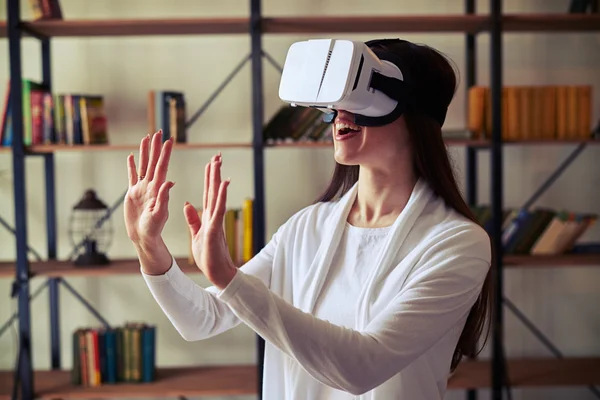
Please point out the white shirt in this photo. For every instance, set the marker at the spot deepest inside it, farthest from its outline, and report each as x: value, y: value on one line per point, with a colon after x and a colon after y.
x: 395, y: 338
x: 337, y: 302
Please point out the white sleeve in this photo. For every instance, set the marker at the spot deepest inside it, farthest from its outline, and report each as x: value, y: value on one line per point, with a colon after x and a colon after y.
x: 439, y: 295
x: 195, y: 312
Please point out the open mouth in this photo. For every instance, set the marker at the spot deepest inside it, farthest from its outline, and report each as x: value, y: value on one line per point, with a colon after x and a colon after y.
x: 343, y: 128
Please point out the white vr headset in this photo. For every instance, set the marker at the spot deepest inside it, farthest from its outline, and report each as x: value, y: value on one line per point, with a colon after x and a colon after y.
x: 331, y: 75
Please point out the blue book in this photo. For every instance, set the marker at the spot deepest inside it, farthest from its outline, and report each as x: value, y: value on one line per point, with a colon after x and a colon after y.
x: 148, y: 353
x: 110, y: 345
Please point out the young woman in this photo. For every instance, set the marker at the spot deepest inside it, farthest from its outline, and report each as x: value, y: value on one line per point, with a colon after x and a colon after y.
x: 376, y: 291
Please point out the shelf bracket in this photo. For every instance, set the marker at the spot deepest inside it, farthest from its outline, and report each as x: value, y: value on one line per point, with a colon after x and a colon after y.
x: 85, y: 303
x: 226, y: 82
x: 218, y: 91
x: 15, y: 315
x: 14, y: 232
x: 272, y: 61
x: 554, y: 176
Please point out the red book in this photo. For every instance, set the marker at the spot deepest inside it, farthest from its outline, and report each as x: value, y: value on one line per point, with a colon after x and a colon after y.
x: 37, y: 116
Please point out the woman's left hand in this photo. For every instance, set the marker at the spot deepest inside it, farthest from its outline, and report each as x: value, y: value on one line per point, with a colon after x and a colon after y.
x: 209, y: 246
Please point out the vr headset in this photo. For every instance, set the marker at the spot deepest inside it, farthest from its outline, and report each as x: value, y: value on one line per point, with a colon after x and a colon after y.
x: 332, y: 75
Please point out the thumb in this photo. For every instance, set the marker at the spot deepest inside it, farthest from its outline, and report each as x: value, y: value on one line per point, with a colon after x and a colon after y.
x: 192, y: 218
x: 162, y: 199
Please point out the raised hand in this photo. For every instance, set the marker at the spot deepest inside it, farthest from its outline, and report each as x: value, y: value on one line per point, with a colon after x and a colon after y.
x: 209, y: 246
x: 146, y: 202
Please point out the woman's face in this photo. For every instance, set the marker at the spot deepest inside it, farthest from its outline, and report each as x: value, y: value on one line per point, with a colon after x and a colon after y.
x: 368, y: 146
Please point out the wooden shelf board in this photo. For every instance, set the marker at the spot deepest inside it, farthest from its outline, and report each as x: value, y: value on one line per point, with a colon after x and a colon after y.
x: 383, y: 24
x: 550, y: 261
x: 319, y: 25
x: 68, y: 269
x: 551, y: 23
x: 51, y: 148
x: 239, y: 380
x: 449, y: 141
x: 170, y: 382
x: 460, y: 142
x: 140, y: 27
x: 131, y: 266
x: 535, y: 372
x: 219, y: 25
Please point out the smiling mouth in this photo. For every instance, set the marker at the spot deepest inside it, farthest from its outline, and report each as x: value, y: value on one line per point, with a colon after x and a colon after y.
x: 344, y: 128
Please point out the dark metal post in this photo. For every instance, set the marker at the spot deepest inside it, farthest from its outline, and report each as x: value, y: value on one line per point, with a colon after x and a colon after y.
x: 25, y: 370
x: 258, y: 219
x: 471, y: 173
x: 498, y: 373
x: 53, y: 283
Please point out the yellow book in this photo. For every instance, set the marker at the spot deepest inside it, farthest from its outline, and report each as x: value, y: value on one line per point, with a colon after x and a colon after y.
x: 476, y: 113
x: 526, y: 117
x: 513, y: 109
x: 561, y: 112
x: 248, y: 242
x: 572, y: 115
x: 549, y: 112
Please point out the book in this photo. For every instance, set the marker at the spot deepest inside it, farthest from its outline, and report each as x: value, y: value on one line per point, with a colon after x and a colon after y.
x: 125, y: 353
x: 538, y: 231
x: 533, y: 112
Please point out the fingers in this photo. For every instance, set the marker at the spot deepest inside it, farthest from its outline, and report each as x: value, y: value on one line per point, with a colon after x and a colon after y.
x: 162, y: 165
x: 214, y: 182
x: 131, y: 170
x: 155, y: 150
x: 192, y: 218
x: 144, y: 144
x: 206, y: 186
x: 221, y: 203
x: 162, y: 199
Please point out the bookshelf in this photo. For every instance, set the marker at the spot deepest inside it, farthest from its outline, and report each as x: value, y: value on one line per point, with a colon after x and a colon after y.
x: 241, y: 380
x: 233, y: 379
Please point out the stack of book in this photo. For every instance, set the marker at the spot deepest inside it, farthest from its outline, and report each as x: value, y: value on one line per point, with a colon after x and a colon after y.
x: 296, y: 124
x: 109, y: 356
x: 544, y: 112
x: 542, y: 231
x: 61, y: 119
x: 45, y: 9
x: 167, y: 111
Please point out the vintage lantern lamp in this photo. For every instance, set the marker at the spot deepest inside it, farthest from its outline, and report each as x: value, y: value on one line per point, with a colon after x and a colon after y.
x: 90, y: 230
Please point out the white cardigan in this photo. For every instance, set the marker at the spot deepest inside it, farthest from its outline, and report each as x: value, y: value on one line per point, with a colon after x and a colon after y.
x: 411, y: 311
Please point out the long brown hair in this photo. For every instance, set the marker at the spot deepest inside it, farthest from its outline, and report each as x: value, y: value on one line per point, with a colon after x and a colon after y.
x: 433, y: 86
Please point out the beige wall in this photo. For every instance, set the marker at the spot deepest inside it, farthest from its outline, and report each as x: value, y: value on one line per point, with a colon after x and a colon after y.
x: 562, y: 301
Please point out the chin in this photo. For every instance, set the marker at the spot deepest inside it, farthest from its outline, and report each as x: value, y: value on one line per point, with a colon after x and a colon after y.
x: 349, y: 143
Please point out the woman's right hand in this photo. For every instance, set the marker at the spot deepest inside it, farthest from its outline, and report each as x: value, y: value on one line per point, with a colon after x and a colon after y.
x: 146, y: 203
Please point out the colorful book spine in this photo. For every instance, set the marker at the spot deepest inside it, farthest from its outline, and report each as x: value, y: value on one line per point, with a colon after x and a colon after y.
x: 110, y: 356
x: 540, y: 231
